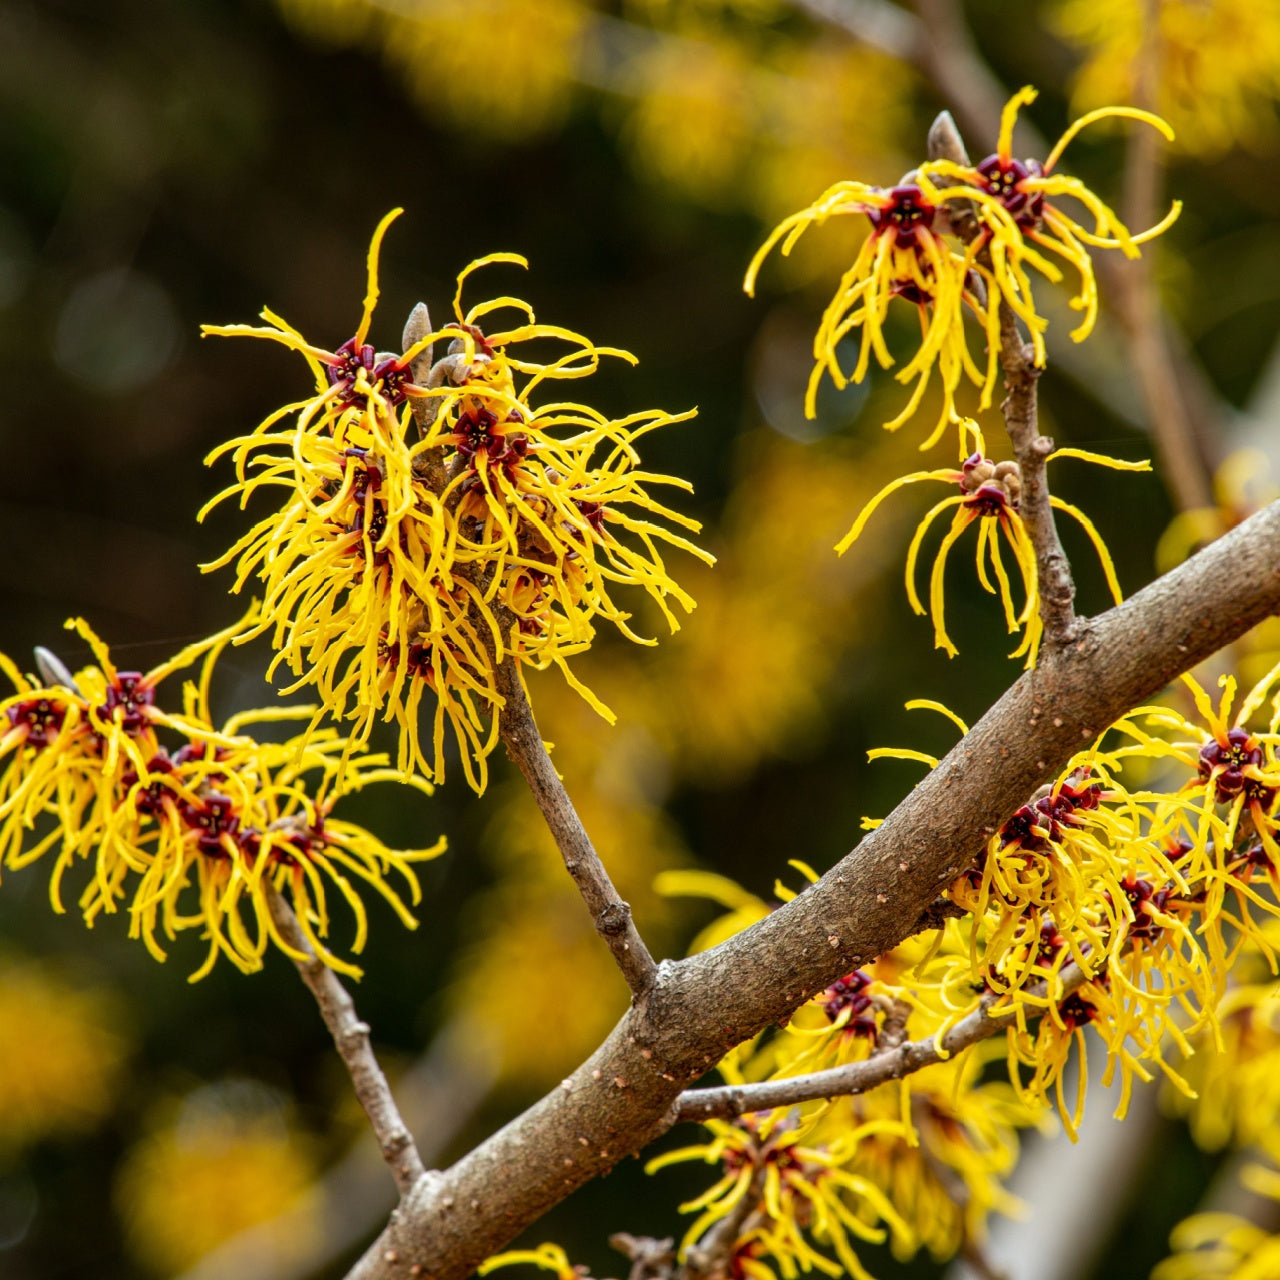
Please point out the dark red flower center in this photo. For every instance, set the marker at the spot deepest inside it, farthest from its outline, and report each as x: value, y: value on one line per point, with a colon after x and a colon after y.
x: 128, y: 697
x: 1077, y: 1012
x: 1038, y: 824
x: 907, y: 214
x: 394, y: 375
x: 1232, y: 767
x: 345, y: 366
x: 849, y: 993
x: 1003, y: 179
x: 1143, y: 897
x: 41, y: 717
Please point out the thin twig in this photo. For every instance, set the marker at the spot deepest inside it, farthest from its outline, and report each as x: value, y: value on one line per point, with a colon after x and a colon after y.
x: 957, y: 1191
x: 891, y: 1063
x: 351, y: 1037
x: 651, y: 1258
x: 951, y: 61
x: 609, y: 913
x: 973, y: 1253
x: 709, y: 1259
x: 1183, y: 466
x: 875, y: 23
x: 1031, y: 450
x: 936, y: 914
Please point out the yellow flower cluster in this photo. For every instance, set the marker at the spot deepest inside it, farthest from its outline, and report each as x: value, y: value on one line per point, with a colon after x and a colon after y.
x: 806, y: 1199
x: 195, y: 825
x: 1111, y: 905
x: 1145, y: 889
x: 989, y: 496
x: 920, y: 1162
x: 912, y: 253
x: 399, y: 570
x: 1237, y: 1102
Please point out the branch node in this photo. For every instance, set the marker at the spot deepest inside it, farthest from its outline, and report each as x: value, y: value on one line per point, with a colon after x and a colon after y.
x: 614, y: 920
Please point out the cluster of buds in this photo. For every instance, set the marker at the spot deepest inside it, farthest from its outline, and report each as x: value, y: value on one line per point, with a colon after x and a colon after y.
x: 990, y: 487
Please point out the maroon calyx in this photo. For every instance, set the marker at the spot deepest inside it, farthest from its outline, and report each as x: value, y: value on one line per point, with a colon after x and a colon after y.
x: 1034, y: 826
x: 1232, y: 767
x: 41, y: 717
x: 395, y: 376
x: 344, y: 368
x: 592, y: 512
x: 478, y: 431
x: 1003, y: 179
x: 1076, y: 1011
x: 850, y: 992
x: 1144, y: 898
x: 989, y: 487
x: 214, y: 817
x: 907, y: 214
x: 129, y: 697
x: 150, y: 799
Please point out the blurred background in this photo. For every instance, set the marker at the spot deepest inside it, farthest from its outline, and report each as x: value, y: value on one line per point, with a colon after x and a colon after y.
x: 168, y: 164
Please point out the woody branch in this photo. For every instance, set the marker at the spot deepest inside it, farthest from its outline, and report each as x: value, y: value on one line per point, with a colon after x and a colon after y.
x: 609, y: 913
x: 621, y: 1097
x: 887, y: 1062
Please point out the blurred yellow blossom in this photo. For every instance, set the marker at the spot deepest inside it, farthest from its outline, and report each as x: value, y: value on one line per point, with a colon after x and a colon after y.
x: 216, y: 1162
x: 528, y: 49
x: 63, y: 1054
x: 1217, y: 65
x: 1241, y: 486
x: 692, y: 125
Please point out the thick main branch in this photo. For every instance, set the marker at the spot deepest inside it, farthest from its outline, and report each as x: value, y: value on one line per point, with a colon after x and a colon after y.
x: 620, y: 1098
